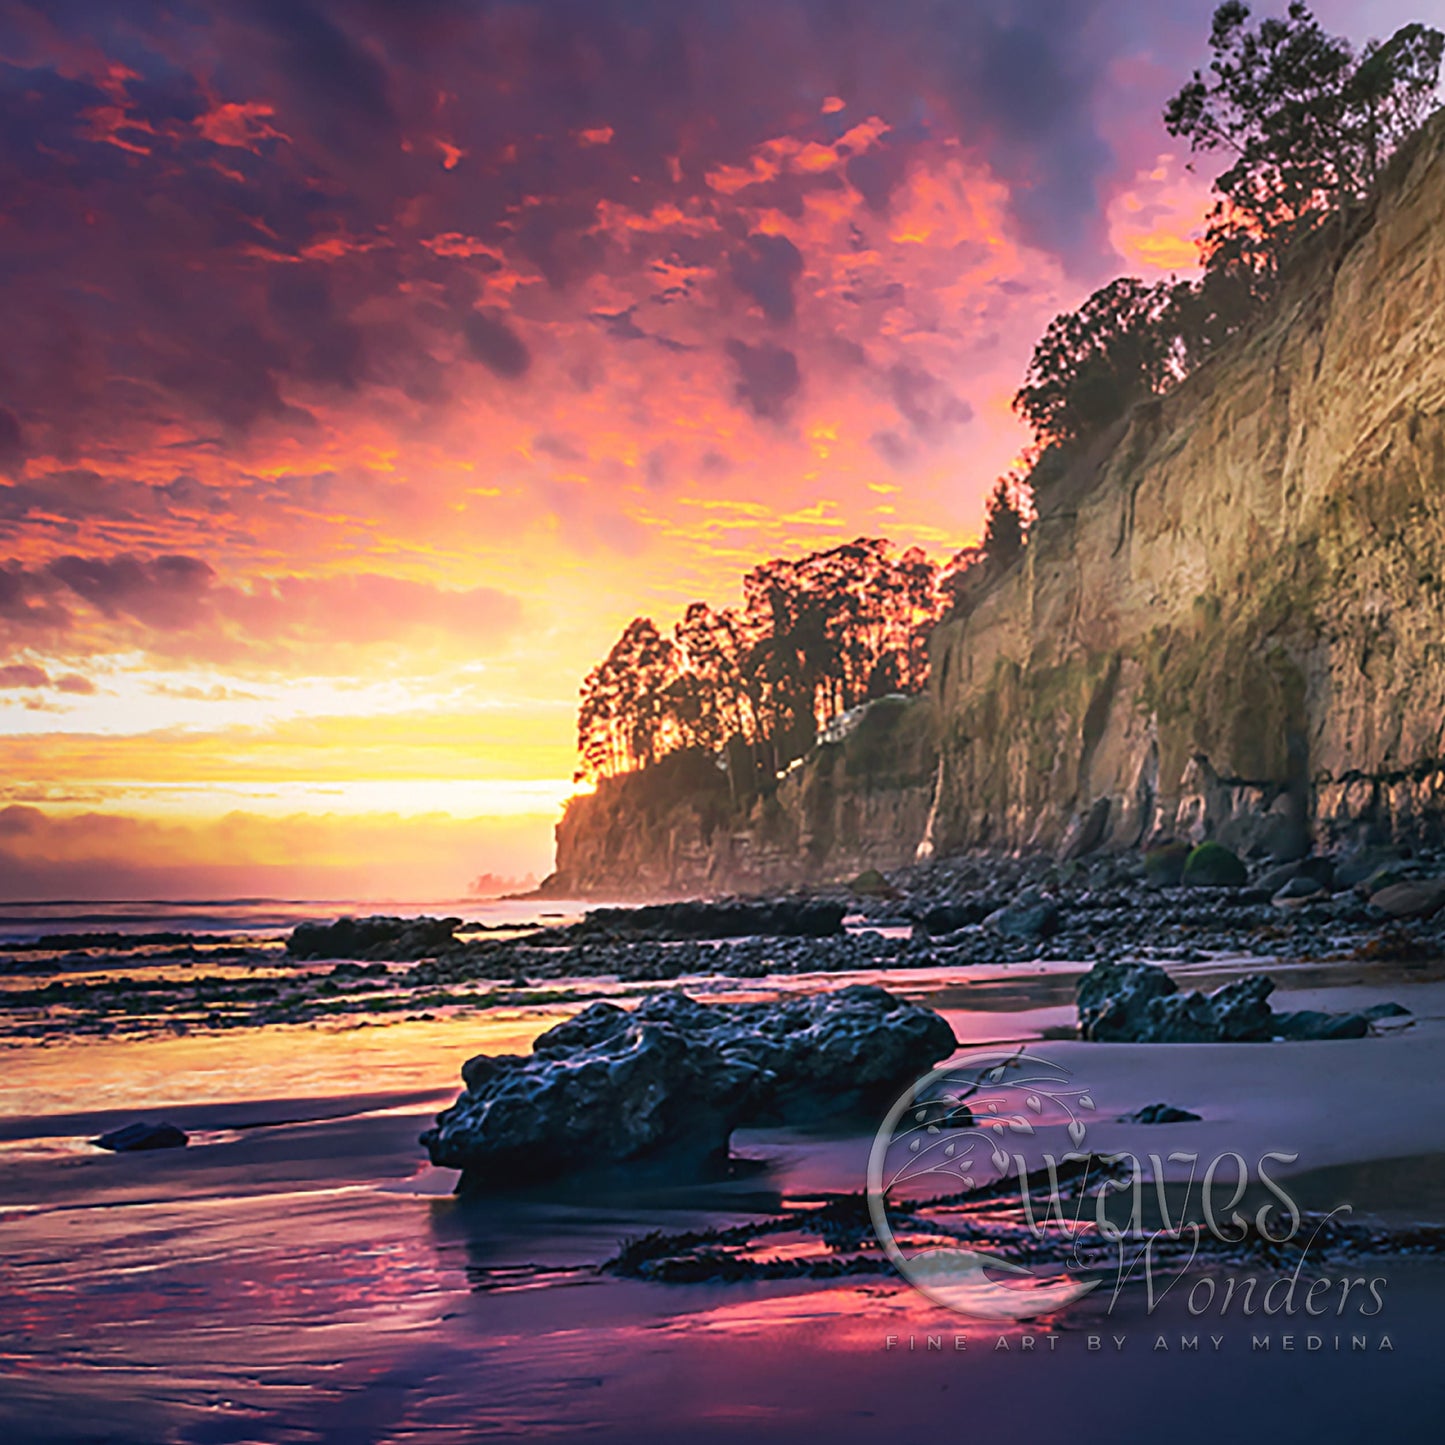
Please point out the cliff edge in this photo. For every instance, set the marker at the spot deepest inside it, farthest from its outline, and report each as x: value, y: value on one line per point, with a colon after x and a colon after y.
x: 1229, y: 625
x: 1237, y: 629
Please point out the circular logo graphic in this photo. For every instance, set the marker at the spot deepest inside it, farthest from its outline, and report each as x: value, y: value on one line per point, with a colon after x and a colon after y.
x: 959, y: 1179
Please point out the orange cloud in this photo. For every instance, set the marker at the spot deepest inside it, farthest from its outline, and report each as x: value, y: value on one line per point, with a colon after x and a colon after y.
x: 327, y: 459
x: 1156, y: 221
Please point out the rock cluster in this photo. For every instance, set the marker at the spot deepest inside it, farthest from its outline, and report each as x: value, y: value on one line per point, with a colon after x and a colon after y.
x: 376, y: 938
x: 781, y: 917
x: 1138, y: 1003
x: 668, y: 1082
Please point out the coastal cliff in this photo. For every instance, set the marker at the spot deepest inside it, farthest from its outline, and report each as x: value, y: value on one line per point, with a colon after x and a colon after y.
x: 1229, y: 622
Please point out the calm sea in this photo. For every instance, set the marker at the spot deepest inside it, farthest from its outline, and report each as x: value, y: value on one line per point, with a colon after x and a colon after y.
x: 261, y: 917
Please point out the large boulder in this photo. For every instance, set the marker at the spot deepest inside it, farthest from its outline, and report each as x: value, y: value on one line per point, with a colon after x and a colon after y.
x: 667, y: 1083
x: 1411, y: 898
x: 1212, y: 865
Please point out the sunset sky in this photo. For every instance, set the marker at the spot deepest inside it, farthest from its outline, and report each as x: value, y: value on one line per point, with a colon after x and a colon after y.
x: 366, y: 366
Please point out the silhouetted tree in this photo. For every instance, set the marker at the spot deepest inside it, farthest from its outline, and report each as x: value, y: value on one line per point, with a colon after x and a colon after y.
x: 1092, y: 364
x: 625, y: 720
x: 1309, y: 123
x: 1003, y: 533
x: 814, y: 637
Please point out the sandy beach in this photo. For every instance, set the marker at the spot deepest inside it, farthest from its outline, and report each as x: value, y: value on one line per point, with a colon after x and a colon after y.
x: 300, y: 1272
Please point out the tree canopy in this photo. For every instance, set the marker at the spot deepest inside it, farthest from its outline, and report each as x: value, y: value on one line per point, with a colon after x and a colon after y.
x: 813, y: 637
x: 1308, y: 123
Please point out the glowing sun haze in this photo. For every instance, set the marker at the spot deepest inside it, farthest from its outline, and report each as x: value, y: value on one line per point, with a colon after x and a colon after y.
x: 367, y: 366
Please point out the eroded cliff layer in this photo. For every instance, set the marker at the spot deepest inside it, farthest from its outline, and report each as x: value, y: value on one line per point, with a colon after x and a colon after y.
x: 1229, y: 624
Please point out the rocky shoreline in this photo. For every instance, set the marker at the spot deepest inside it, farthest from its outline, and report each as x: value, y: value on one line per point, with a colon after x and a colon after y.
x: 1379, y: 910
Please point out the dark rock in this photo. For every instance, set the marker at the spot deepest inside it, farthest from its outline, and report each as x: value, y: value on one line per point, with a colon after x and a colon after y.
x: 1160, y: 1114
x: 1311, y: 1025
x: 1211, y: 865
x: 1274, y: 879
x: 1182, y: 1018
x: 1242, y: 1010
x: 667, y: 1083
x: 697, y: 918
x: 1113, y: 999
x: 1300, y: 889
x: 870, y: 883
x: 1386, y: 1011
x: 1413, y: 898
x: 1140, y: 1003
x: 375, y: 938
x: 1164, y: 865
x: 1319, y: 870
x: 1031, y: 915
x: 134, y: 1137
x: 950, y: 917
x: 1360, y: 867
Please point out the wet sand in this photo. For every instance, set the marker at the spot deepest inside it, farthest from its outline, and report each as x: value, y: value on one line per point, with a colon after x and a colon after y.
x: 301, y: 1273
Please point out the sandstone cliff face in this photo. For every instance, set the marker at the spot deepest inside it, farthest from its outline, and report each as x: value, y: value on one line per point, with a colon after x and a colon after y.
x: 860, y: 803
x: 1238, y: 629
x: 1230, y: 625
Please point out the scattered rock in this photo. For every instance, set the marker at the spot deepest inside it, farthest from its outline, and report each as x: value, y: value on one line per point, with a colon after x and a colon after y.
x: 1309, y: 1025
x: 1164, y: 865
x: 1412, y: 898
x: 668, y: 1082
x: 698, y: 918
x: 1212, y: 865
x: 1031, y: 915
x: 141, y: 1135
x: 1160, y: 1114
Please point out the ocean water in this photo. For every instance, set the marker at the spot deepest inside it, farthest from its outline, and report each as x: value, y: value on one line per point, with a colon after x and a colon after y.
x: 263, y: 917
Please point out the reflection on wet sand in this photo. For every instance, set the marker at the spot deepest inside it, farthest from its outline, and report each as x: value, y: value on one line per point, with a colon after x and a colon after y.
x: 299, y: 1273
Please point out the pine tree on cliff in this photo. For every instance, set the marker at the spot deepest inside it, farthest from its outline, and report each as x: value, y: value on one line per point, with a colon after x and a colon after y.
x: 1003, y: 534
